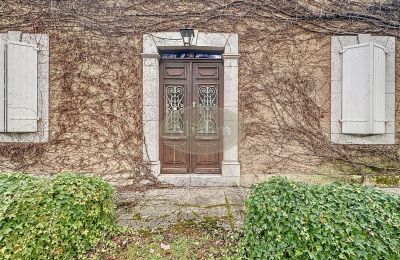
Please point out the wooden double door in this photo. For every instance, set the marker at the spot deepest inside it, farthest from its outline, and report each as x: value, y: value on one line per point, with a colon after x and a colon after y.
x: 191, y: 101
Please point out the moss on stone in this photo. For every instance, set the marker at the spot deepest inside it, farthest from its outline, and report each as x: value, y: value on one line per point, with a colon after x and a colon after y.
x: 388, y: 181
x: 373, y: 170
x: 367, y: 165
x: 136, y: 216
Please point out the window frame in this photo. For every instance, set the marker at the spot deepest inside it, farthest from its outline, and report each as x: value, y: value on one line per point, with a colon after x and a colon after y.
x: 42, y: 133
x: 338, y: 43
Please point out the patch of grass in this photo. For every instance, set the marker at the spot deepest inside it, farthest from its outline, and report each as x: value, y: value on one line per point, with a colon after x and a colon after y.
x: 181, y: 247
x: 149, y: 248
x: 204, y: 239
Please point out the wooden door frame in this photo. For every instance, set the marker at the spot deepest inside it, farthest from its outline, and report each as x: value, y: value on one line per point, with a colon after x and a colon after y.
x: 228, y: 44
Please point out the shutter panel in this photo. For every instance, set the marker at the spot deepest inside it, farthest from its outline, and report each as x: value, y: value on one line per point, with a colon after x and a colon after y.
x: 21, y: 87
x: 356, y: 90
x: 379, y: 90
x: 2, y: 85
x: 363, y: 90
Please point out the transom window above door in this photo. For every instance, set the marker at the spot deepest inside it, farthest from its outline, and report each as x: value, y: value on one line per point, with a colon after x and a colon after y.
x: 190, y: 54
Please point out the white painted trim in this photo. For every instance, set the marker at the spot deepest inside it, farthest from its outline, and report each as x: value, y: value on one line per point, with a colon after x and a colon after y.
x: 229, y: 44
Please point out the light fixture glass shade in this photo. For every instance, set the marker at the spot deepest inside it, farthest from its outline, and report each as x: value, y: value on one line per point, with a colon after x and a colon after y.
x: 187, y: 34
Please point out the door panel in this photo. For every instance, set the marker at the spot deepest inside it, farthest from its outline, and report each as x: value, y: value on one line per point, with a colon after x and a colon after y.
x: 175, y: 158
x: 190, y: 136
x: 174, y: 101
x: 207, y: 157
x: 175, y: 72
x: 207, y: 72
x: 174, y: 153
x: 207, y: 118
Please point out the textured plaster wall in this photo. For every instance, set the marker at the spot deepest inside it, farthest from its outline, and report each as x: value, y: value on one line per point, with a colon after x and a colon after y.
x: 306, y: 56
x: 95, y: 102
x: 94, y: 110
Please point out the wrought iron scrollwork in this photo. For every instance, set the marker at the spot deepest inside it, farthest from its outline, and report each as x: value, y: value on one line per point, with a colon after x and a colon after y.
x: 207, y: 109
x: 174, y: 107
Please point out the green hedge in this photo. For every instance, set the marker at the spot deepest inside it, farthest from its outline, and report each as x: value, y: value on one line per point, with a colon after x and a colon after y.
x: 336, y: 221
x: 57, y: 218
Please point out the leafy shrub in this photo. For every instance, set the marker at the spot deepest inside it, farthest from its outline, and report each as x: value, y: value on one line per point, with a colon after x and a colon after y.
x: 57, y: 218
x: 335, y: 221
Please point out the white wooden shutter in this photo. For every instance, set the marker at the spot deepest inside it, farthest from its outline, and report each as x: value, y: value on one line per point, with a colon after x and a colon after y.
x: 21, y: 87
x: 379, y: 121
x: 2, y: 85
x: 363, y: 93
x: 356, y: 90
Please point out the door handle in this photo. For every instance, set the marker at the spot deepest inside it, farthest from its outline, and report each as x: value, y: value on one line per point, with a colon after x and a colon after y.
x: 194, y: 126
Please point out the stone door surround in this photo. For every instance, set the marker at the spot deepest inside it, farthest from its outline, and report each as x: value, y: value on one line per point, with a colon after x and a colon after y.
x: 228, y: 44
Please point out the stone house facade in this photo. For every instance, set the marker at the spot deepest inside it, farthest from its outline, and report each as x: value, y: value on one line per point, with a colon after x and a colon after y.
x: 112, y: 89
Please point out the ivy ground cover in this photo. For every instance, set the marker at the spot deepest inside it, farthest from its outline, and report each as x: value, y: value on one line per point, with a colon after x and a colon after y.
x: 288, y: 220
x: 57, y: 218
